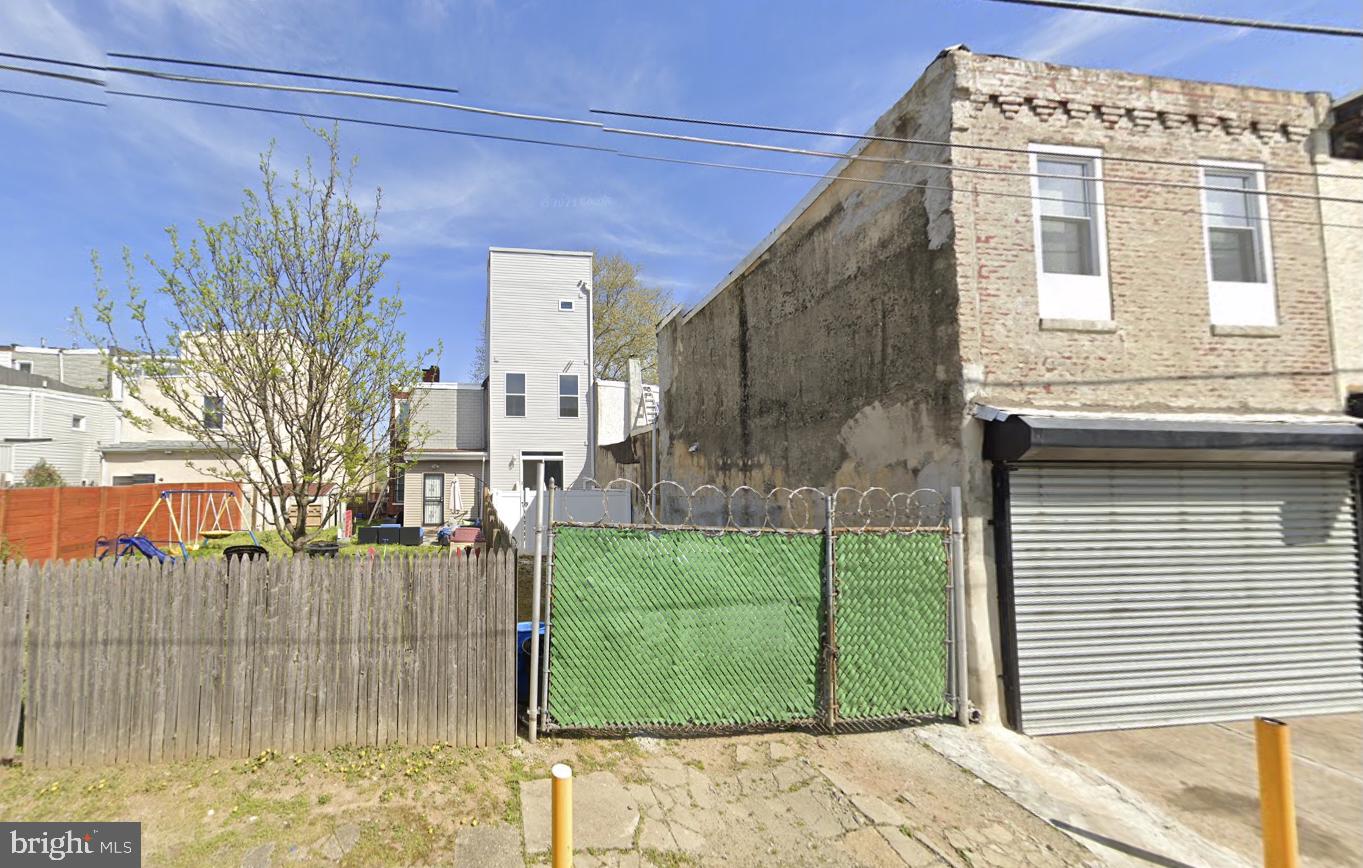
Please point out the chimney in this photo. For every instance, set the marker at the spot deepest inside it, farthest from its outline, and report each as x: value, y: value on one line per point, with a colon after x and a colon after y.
x: 431, y: 374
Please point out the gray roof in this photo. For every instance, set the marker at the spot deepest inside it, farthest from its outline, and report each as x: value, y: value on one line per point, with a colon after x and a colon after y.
x: 16, y: 377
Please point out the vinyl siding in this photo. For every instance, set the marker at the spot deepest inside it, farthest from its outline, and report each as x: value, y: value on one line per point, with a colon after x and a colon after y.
x: 43, y: 413
x: 451, y: 418
x: 464, y: 474
x: 84, y: 370
x: 528, y: 334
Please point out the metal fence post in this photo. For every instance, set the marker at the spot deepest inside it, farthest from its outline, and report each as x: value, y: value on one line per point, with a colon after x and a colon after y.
x: 532, y: 710
x: 830, y: 621
x: 548, y: 608
x: 960, y: 661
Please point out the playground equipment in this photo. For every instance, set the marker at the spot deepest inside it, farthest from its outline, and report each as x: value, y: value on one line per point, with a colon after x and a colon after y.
x: 192, y: 513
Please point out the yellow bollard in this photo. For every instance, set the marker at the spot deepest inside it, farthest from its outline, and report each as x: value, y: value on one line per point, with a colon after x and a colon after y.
x: 561, y: 798
x: 1274, y: 747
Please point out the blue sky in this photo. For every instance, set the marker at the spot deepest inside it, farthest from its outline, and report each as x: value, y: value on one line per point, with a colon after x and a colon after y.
x: 77, y: 178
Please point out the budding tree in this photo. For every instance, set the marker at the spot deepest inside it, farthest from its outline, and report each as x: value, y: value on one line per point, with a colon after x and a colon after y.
x: 271, y: 341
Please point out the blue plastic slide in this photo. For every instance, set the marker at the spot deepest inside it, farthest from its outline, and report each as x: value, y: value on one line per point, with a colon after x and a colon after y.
x: 126, y: 545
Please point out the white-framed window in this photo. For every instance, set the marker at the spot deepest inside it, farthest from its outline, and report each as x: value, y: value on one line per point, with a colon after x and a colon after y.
x: 567, y: 395
x: 515, y: 394
x: 212, y: 406
x: 77, y: 423
x: 26, y: 367
x: 1069, y: 233
x: 566, y: 304
x: 553, y: 469
x: 1239, y: 247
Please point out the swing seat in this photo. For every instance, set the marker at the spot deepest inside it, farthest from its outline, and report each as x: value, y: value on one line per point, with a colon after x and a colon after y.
x: 218, y: 534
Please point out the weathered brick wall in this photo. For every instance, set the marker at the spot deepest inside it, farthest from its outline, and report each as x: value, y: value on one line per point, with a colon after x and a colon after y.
x: 1163, y: 354
x: 830, y: 357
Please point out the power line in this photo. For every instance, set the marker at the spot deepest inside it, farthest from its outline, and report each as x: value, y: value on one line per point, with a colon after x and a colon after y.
x: 47, y: 73
x: 53, y: 60
x: 1194, y: 18
x: 868, y: 137
x: 731, y: 166
x: 356, y: 94
x: 52, y: 96
x: 983, y: 170
x: 291, y: 72
x: 365, y: 121
x: 973, y: 190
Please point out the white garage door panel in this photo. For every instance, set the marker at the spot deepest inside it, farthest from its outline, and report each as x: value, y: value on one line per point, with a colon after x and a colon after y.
x: 1161, y: 594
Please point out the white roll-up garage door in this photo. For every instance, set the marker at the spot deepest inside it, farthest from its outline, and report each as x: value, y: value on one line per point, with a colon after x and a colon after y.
x: 1151, y: 594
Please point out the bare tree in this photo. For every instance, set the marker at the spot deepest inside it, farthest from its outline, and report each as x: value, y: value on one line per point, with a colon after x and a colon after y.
x: 281, y: 350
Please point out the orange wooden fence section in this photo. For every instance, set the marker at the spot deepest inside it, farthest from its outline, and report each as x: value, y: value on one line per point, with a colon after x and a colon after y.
x: 63, y: 523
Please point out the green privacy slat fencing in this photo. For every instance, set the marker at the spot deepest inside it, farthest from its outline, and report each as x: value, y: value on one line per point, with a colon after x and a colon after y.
x: 681, y: 628
x: 891, y: 625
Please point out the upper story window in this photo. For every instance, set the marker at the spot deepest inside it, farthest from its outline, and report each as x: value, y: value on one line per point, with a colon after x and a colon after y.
x: 567, y: 394
x: 515, y: 394
x: 26, y: 367
x: 77, y: 423
x: 566, y: 304
x: 1239, y: 254
x: 1069, y: 233
x: 212, y: 407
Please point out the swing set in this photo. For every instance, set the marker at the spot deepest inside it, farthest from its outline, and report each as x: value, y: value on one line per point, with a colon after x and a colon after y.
x: 193, y: 513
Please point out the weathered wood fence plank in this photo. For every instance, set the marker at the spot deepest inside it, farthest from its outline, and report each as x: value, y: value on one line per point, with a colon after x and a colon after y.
x: 144, y: 663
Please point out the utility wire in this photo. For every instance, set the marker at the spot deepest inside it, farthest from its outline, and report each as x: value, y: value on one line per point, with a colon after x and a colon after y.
x: 972, y: 190
x: 47, y: 73
x: 356, y: 94
x: 730, y: 166
x: 52, y: 96
x: 867, y: 137
x: 291, y: 72
x: 983, y: 170
x: 1193, y: 18
x: 53, y: 60
x: 364, y: 121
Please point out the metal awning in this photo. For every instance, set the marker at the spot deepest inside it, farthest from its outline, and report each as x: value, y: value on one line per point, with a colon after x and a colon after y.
x: 1012, y: 436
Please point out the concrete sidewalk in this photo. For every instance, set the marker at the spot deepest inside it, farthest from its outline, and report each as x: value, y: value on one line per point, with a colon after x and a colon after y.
x: 1205, y: 777
x: 873, y: 799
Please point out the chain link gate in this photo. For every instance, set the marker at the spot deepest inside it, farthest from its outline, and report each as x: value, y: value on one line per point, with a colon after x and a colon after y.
x: 667, y: 627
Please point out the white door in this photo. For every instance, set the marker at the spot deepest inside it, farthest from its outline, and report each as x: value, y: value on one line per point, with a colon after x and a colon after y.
x: 1151, y: 594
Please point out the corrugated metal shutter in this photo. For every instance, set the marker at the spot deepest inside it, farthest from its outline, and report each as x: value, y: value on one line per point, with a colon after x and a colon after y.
x: 1158, y: 594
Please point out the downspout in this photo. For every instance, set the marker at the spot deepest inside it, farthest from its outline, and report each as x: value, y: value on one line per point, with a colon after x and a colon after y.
x: 591, y: 384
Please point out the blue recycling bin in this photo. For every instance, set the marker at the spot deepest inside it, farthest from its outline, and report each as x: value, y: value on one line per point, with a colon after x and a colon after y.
x: 523, y: 660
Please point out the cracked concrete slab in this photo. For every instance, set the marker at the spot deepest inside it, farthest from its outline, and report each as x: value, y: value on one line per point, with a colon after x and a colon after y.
x: 605, y: 812
x: 488, y: 847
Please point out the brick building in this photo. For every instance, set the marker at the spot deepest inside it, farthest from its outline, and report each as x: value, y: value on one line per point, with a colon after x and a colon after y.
x: 1104, y: 310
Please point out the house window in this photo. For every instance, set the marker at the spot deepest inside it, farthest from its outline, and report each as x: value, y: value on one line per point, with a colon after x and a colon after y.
x: 553, y: 469
x: 1239, y: 255
x: 567, y: 395
x: 26, y: 367
x: 212, y: 405
x: 515, y: 394
x: 566, y: 304
x: 1069, y: 235
x: 77, y: 423
x: 433, y: 498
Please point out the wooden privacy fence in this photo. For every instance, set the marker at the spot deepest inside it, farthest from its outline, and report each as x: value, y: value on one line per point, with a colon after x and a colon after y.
x: 144, y: 663
x: 63, y: 523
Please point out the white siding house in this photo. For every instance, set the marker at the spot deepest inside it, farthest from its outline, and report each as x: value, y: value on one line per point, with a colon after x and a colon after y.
x: 444, y: 481
x: 539, y: 384
x: 45, y: 420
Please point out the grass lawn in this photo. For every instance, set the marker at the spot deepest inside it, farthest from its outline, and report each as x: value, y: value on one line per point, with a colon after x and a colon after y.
x: 409, y: 804
x: 270, y: 539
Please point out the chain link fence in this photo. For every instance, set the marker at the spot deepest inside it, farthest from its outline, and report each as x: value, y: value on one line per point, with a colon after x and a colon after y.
x: 669, y: 627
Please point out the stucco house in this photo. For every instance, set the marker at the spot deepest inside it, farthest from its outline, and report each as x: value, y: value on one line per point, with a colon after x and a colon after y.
x: 1103, y: 305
